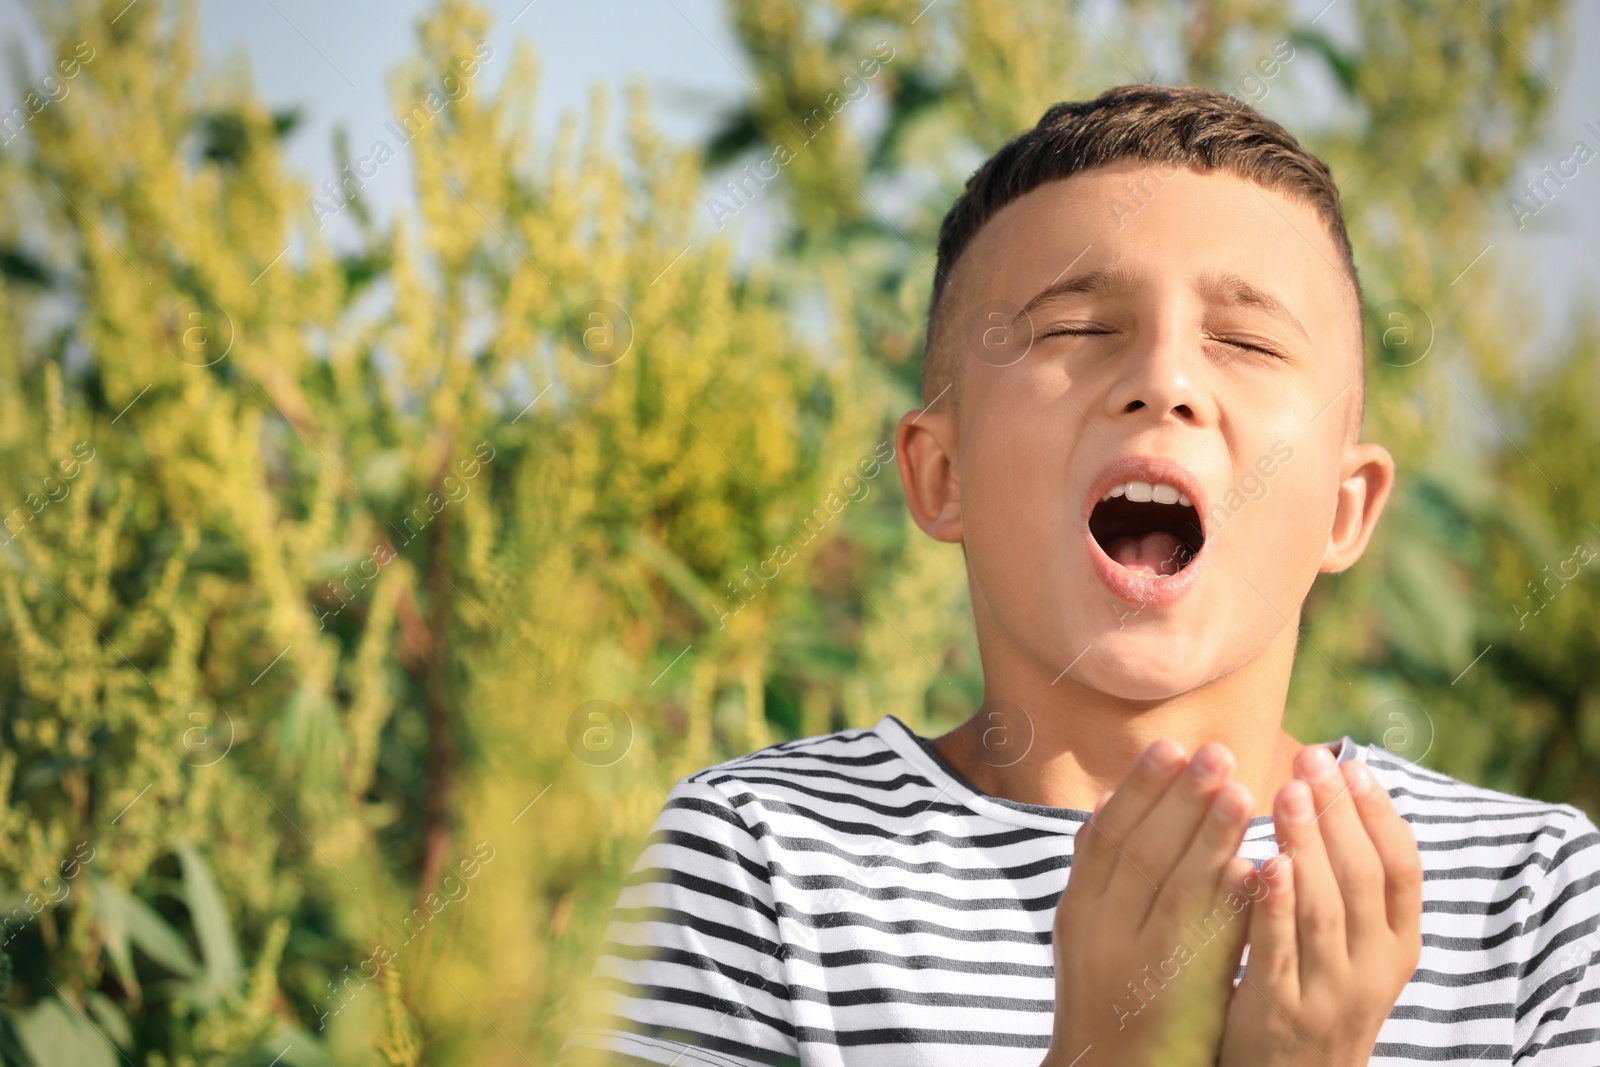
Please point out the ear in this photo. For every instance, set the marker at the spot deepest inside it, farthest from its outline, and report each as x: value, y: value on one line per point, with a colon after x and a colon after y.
x: 1367, y: 475
x: 925, y: 450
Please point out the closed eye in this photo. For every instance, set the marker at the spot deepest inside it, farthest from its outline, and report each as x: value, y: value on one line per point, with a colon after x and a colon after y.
x: 1079, y: 330
x: 1234, y: 342
x: 1091, y: 330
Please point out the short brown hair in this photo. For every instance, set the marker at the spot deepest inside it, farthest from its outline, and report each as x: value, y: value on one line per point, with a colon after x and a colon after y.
x: 1184, y: 125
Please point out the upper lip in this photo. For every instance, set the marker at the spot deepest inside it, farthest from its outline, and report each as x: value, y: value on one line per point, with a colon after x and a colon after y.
x: 1153, y: 469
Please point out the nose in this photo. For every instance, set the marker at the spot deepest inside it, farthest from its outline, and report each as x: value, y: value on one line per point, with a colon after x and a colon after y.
x: 1160, y: 376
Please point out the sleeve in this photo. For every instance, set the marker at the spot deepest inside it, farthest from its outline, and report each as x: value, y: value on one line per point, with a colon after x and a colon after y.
x: 691, y: 971
x: 1557, y: 1014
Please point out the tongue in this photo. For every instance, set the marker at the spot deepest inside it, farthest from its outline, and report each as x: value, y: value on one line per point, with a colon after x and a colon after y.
x: 1154, y: 554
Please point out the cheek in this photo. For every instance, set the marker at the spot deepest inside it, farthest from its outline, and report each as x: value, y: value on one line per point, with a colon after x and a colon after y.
x: 1013, y: 493
x: 1281, y: 537
x: 1018, y: 520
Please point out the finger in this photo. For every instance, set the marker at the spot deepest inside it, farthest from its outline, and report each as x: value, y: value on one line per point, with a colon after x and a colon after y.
x: 1234, y: 901
x: 1396, y: 846
x: 1150, y: 855
x: 1351, y: 854
x: 1096, y: 849
x: 1274, y: 964
x: 1214, y: 948
x: 1319, y: 907
x: 1193, y: 891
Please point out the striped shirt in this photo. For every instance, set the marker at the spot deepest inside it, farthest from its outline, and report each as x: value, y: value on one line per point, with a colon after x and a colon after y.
x: 850, y: 899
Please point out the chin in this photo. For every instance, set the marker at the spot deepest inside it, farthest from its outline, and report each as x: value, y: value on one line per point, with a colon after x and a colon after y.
x: 1143, y: 667
x: 1132, y: 677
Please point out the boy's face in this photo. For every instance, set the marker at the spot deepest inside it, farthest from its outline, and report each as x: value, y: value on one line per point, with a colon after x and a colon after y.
x: 1200, y: 337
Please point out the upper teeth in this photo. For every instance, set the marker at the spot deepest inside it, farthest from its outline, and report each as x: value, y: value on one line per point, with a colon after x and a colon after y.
x: 1143, y: 492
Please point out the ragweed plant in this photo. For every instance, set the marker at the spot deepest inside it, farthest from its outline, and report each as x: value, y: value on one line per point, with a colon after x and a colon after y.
x: 360, y: 600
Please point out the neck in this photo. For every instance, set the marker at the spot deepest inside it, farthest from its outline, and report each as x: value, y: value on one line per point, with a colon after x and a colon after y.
x: 1064, y: 744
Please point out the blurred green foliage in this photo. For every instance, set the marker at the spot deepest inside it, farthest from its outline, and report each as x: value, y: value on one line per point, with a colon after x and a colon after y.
x: 314, y: 558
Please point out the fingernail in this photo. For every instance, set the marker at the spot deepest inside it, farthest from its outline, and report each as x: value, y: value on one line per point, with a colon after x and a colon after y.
x: 1320, y: 759
x: 1227, y: 806
x: 1208, y: 762
x: 1297, y: 802
x: 1164, y: 754
x: 1359, y: 777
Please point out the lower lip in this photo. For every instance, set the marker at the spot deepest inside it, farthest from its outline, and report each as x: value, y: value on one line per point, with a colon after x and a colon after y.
x: 1137, y: 588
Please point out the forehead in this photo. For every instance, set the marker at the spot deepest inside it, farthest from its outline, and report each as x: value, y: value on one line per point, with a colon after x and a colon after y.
x: 1161, y: 226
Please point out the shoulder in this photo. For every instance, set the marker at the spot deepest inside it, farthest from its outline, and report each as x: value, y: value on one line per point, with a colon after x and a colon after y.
x: 856, y: 755
x: 1430, y: 795
x: 1467, y: 832
x: 837, y: 779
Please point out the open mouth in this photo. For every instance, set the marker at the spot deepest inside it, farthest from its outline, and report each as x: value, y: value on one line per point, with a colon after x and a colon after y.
x: 1152, y: 529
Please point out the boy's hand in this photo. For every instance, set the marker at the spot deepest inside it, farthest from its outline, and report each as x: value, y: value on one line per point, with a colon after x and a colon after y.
x: 1158, y: 854
x: 1338, y: 933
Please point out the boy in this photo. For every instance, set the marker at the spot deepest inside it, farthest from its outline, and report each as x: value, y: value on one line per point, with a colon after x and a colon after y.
x: 1144, y: 309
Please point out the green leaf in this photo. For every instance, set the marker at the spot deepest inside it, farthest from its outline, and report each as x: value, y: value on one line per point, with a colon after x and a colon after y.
x: 113, y: 1023
x: 125, y: 920
x: 300, y: 1047
x: 20, y: 265
x: 211, y: 925
x: 58, y: 1033
x: 1345, y: 65
x: 675, y: 572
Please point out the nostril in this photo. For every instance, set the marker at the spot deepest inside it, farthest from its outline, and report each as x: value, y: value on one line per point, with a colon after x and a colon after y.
x: 1183, y: 411
x: 1134, y: 405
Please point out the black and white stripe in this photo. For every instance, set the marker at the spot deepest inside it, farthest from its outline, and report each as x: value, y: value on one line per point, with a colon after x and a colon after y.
x: 848, y: 899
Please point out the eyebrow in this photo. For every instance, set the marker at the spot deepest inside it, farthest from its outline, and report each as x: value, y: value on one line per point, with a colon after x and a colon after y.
x: 1219, y: 285
x: 1229, y: 288
x: 1101, y: 281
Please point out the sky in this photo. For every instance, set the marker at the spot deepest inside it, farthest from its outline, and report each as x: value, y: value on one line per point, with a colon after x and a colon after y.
x: 330, y: 60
